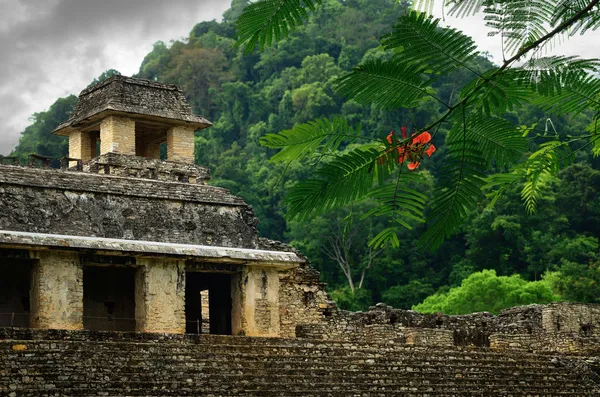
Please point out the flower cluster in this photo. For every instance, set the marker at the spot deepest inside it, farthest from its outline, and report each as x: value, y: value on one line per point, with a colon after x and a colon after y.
x: 414, y: 149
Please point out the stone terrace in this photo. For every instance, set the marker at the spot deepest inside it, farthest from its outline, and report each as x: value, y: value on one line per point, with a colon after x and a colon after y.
x: 68, y: 363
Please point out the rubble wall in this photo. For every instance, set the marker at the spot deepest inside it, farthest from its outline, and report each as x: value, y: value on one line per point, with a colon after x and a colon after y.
x: 85, y: 204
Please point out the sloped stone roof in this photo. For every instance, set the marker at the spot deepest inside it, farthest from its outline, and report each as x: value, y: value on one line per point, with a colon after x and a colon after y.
x: 121, y: 94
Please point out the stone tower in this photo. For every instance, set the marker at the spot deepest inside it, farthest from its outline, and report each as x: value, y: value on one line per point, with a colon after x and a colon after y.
x: 132, y: 117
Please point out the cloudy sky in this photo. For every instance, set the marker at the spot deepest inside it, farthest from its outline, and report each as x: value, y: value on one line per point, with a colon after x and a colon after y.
x: 53, y: 48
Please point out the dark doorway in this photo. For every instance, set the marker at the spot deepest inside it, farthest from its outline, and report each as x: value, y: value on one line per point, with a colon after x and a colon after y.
x: 217, y: 288
x: 15, y: 283
x: 109, y: 298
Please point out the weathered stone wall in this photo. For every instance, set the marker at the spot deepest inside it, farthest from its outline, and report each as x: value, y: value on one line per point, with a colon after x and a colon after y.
x: 160, y: 296
x: 255, y: 311
x: 140, y: 167
x: 82, y: 204
x: 62, y: 363
x: 82, y: 145
x: 516, y: 328
x: 57, y: 291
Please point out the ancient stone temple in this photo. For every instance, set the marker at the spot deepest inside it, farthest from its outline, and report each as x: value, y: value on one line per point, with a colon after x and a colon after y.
x: 122, y: 274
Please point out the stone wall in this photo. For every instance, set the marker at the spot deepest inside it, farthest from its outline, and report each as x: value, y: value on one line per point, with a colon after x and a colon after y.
x: 577, y: 329
x: 180, y: 144
x: 83, y: 204
x: 57, y: 291
x: 140, y: 167
x: 160, y: 296
x: 65, y: 363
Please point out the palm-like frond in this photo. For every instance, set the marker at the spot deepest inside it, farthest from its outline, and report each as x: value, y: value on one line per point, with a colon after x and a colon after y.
x: 303, y: 140
x: 567, y: 9
x: 568, y: 91
x: 401, y: 204
x: 519, y: 22
x: 497, y: 93
x: 497, y: 139
x: 540, y: 168
x: 386, y: 84
x: 341, y: 181
x: 422, y: 42
x: 267, y: 21
x: 459, y: 188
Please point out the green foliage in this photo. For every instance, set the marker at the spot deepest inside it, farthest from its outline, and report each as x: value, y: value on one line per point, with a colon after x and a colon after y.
x: 37, y: 137
x: 405, y: 296
x: 485, y: 291
x: 358, y: 300
x: 421, y: 52
x: 420, y: 41
x: 267, y: 21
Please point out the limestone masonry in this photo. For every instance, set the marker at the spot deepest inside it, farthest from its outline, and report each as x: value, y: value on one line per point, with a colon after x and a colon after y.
x: 116, y: 267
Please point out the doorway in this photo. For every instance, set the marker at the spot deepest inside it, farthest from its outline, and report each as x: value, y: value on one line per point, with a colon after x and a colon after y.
x: 14, y: 292
x: 208, y: 295
x: 108, y: 298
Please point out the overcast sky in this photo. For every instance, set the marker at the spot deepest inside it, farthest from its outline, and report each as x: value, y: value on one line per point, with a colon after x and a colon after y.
x: 53, y: 48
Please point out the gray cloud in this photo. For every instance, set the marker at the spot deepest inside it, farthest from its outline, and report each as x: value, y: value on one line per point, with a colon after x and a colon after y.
x: 52, y: 48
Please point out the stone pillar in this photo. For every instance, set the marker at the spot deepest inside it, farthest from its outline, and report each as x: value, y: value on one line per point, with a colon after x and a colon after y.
x: 255, y: 300
x: 117, y: 135
x: 180, y: 144
x: 160, y: 296
x: 57, y: 291
x: 82, y: 145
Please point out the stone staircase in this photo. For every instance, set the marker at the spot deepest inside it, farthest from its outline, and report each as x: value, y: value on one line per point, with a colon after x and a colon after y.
x: 63, y: 363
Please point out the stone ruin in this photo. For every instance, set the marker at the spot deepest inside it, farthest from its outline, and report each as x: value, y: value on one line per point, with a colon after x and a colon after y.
x: 123, y: 274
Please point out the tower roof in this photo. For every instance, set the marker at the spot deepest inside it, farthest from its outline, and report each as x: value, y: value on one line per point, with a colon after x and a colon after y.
x: 131, y: 96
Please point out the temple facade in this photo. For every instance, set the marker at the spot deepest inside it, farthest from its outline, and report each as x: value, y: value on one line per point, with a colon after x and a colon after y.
x: 122, y: 240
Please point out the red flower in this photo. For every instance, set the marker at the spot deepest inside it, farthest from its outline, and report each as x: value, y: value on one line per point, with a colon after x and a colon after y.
x: 414, y: 149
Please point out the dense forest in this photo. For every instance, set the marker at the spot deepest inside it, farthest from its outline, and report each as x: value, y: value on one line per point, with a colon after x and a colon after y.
x: 502, y: 256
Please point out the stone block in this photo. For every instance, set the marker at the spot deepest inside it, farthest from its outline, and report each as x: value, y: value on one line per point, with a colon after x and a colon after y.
x: 82, y: 145
x: 160, y: 296
x: 180, y: 144
x: 429, y: 337
x: 57, y: 291
x: 117, y: 135
x: 256, y: 311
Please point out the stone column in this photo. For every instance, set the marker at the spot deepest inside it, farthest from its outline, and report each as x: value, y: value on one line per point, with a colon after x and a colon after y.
x: 82, y: 145
x: 180, y: 144
x: 160, y: 296
x: 117, y: 135
x: 57, y: 291
x: 255, y: 297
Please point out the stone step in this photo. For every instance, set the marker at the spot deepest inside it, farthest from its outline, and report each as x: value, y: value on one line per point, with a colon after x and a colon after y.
x: 71, y: 348
x: 316, y: 389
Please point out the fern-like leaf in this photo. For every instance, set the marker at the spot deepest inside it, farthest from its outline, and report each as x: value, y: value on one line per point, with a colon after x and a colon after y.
x: 519, y: 22
x: 541, y: 166
x: 386, y: 84
x: 567, y: 9
x: 341, y: 181
x: 422, y: 42
x: 268, y: 21
x: 322, y: 135
x: 568, y: 91
x: 459, y: 187
x: 497, y: 139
